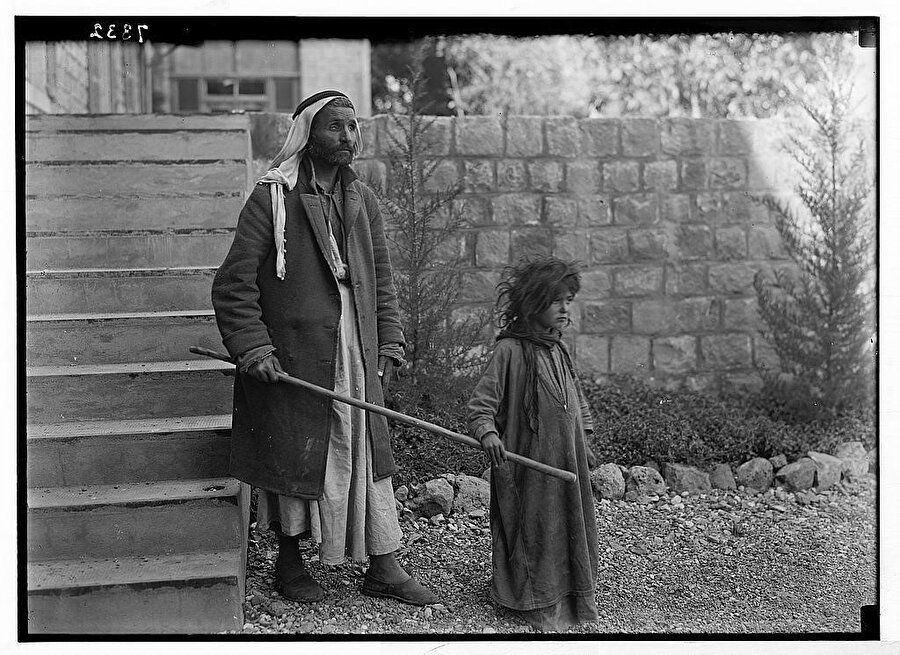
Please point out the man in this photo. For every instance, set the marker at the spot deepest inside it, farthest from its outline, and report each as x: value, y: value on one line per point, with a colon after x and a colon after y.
x: 306, y: 289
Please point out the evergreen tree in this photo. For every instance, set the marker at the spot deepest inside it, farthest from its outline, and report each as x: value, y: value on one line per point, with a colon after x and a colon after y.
x: 820, y: 318
x: 424, y: 227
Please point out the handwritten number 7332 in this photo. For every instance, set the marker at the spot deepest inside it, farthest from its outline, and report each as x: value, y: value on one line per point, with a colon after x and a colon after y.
x: 112, y: 32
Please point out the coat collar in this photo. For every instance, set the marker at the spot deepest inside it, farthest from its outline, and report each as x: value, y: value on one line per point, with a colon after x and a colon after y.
x: 352, y: 200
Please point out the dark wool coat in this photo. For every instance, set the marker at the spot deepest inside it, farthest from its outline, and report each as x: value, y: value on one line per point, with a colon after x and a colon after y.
x: 543, y: 531
x: 280, y: 432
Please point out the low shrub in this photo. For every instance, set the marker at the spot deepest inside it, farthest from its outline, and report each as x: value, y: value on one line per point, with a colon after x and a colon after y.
x: 635, y: 422
x: 422, y: 456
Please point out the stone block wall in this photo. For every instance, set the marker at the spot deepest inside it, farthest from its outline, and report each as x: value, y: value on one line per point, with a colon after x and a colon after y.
x: 659, y: 212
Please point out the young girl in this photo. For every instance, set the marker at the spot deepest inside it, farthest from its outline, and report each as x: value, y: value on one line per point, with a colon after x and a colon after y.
x: 529, y: 402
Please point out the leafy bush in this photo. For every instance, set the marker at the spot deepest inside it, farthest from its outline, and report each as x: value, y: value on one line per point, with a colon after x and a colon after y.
x: 422, y: 456
x: 635, y: 422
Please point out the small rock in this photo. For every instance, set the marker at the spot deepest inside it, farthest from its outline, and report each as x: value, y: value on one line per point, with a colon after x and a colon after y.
x: 437, y: 519
x: 434, y: 497
x: 828, y: 470
x: 681, y: 478
x: 721, y: 477
x: 676, y: 499
x: 853, y: 458
x: 756, y: 473
x: 278, y: 608
x: 477, y: 514
x: 488, y: 630
x: 470, y: 493
x: 798, y: 475
x: 608, y: 482
x: 402, y: 493
x: 777, y: 461
x: 645, y: 481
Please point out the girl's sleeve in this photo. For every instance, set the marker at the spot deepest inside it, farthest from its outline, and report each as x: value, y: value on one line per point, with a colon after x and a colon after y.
x: 587, y: 419
x: 487, y: 402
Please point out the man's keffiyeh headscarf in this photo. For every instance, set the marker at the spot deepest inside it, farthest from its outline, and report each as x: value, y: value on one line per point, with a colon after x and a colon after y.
x: 285, y: 166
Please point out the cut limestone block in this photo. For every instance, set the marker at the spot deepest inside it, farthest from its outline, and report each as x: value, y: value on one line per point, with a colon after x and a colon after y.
x: 128, y: 180
x: 81, y: 250
x: 162, y: 211
x: 134, y: 519
x: 186, y: 593
x: 57, y: 394
x: 135, y: 122
x: 63, y: 339
x: 118, y: 290
x: 179, y: 145
x: 114, y: 452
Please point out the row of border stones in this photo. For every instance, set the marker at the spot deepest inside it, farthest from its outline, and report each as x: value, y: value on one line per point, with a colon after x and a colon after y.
x: 817, y: 470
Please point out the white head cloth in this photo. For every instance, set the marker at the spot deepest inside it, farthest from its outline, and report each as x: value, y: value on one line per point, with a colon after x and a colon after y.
x: 285, y: 168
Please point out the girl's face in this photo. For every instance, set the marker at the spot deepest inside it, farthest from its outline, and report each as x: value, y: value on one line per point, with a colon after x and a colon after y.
x: 557, y: 314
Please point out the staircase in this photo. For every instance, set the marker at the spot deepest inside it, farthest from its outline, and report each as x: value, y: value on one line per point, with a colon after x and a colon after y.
x: 133, y: 525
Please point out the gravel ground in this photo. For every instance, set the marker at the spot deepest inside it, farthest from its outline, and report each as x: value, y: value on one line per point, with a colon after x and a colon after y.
x: 721, y: 562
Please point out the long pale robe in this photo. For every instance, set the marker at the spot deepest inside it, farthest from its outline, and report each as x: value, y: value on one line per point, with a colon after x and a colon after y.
x: 543, y: 529
x: 356, y: 515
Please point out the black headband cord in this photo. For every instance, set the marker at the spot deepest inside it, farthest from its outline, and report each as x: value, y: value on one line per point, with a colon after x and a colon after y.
x: 315, y: 98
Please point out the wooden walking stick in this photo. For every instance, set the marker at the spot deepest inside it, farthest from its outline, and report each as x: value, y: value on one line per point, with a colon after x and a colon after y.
x: 568, y: 476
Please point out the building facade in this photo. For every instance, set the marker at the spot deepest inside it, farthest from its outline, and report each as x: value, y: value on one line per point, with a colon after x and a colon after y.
x: 214, y: 77
x: 72, y: 77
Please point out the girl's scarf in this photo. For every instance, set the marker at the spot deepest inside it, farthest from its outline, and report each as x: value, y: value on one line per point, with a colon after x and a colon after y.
x: 531, y: 341
x: 285, y: 169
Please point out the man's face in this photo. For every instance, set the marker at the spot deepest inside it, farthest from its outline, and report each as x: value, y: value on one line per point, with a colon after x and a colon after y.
x: 333, y: 135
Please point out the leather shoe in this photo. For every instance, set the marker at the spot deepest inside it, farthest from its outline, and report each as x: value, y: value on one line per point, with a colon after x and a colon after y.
x: 411, y: 591
x: 295, y: 583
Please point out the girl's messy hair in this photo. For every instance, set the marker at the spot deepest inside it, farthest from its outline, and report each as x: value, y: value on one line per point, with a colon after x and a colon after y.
x: 530, y: 287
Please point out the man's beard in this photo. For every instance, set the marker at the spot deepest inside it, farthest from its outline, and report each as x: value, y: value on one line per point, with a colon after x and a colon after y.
x: 333, y: 156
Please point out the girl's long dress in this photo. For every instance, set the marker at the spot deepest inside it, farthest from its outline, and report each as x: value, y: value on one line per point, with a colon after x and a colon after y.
x: 543, y: 529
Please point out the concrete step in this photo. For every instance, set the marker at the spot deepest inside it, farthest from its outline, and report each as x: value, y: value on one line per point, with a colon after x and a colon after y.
x: 133, y: 249
x: 134, y: 519
x: 171, y: 146
x: 63, y: 339
x: 118, y: 290
x: 136, y: 179
x: 116, y: 451
x: 185, y: 593
x: 59, y: 394
x: 134, y: 122
x: 202, y: 211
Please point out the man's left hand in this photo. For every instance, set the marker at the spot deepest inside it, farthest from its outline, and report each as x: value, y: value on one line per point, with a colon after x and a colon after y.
x: 385, y: 372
